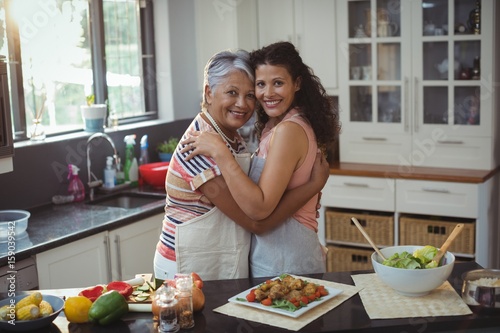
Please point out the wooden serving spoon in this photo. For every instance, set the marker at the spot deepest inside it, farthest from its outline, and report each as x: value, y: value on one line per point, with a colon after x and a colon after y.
x: 356, y: 222
x: 442, y: 250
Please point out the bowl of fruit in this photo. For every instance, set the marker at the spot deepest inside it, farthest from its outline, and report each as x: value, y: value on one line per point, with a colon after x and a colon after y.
x: 410, y: 270
x: 25, y: 313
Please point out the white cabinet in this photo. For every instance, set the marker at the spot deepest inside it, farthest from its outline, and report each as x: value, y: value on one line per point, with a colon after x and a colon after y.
x: 413, y: 91
x: 132, y: 247
x: 115, y: 255
x: 79, y: 264
x: 474, y: 203
x: 310, y: 26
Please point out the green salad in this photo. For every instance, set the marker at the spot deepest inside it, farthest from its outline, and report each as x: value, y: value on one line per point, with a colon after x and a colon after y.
x: 419, y: 259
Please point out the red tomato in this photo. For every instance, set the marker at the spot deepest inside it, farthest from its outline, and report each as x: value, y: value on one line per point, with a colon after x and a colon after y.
x: 311, y: 297
x: 267, y: 302
x: 322, y: 291
x: 304, y: 299
x: 296, y: 303
x: 251, y: 296
x: 317, y: 294
x: 269, y: 281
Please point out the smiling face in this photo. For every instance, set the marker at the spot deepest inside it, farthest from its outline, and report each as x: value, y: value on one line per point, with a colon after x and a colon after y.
x: 232, y: 102
x: 275, y: 89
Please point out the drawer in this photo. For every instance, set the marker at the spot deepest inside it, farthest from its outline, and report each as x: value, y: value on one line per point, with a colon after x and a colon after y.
x: 437, y: 198
x: 365, y: 193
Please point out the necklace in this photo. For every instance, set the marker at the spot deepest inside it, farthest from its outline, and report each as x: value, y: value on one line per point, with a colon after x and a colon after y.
x: 217, y: 128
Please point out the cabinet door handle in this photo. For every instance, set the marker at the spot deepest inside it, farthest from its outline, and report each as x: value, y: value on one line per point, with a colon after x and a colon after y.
x: 435, y: 190
x: 356, y: 184
x: 453, y: 142
x: 416, y: 119
x: 118, y: 257
x: 371, y: 138
x: 108, y: 256
x: 406, y: 89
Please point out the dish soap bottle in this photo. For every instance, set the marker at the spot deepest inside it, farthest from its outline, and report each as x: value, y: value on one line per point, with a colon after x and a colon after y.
x: 109, y: 173
x: 144, y: 159
x: 131, y: 169
x: 75, y: 186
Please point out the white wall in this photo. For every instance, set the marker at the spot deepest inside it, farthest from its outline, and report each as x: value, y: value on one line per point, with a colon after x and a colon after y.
x: 177, y: 76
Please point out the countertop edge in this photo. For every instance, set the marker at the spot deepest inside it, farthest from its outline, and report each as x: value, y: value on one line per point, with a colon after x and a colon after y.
x: 412, y: 172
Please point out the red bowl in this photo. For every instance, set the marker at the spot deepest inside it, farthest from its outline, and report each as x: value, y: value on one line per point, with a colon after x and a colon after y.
x: 154, y: 173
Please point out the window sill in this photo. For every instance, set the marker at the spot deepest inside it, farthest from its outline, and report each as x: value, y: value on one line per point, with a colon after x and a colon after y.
x: 83, y: 134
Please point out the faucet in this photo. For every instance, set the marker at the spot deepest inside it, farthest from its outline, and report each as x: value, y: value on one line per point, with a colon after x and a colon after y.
x: 97, y: 182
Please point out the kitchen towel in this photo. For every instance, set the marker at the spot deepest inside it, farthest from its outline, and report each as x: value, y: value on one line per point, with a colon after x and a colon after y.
x: 443, y: 301
x: 293, y: 324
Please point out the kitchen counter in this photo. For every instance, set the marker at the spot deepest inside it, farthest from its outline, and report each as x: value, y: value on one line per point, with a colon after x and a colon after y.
x: 350, y: 316
x: 55, y: 225
x: 412, y: 172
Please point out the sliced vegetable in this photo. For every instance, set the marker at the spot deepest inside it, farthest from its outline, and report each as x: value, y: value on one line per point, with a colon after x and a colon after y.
x: 92, y: 293
x: 122, y: 287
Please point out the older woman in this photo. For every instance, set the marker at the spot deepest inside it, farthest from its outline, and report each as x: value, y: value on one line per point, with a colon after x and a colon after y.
x: 199, y: 232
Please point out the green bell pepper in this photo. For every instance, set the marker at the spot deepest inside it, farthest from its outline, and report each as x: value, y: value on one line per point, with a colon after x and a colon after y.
x: 108, y: 308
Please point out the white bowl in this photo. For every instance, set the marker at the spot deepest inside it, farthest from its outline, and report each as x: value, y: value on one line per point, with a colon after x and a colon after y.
x: 412, y: 282
x: 13, y: 223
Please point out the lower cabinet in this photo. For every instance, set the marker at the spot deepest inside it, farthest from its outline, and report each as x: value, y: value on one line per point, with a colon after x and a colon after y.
x: 118, y: 254
x: 409, y: 212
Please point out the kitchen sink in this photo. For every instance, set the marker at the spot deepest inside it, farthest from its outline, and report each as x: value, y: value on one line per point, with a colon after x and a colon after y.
x: 128, y: 200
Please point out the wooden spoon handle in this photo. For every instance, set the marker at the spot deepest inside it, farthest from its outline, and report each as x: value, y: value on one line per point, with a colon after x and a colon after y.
x: 442, y: 250
x: 356, y: 222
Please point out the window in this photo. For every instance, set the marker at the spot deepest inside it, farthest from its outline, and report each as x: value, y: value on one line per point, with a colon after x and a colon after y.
x: 60, y: 51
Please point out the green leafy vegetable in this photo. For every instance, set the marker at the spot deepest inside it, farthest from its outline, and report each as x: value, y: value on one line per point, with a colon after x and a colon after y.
x: 420, y: 259
x: 284, y: 304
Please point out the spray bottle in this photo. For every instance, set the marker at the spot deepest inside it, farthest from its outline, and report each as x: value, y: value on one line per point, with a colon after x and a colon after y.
x: 131, y: 168
x: 75, y: 186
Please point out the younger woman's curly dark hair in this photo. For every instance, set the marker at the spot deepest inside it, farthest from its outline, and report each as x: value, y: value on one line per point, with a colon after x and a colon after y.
x: 315, y: 105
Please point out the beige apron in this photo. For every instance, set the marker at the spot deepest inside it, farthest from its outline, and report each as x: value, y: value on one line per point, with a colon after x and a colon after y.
x: 212, y: 244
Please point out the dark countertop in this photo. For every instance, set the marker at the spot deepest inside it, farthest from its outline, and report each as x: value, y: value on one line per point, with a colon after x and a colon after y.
x: 350, y: 316
x: 55, y: 225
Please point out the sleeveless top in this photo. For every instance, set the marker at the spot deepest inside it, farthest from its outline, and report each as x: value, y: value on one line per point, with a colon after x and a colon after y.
x: 306, y: 215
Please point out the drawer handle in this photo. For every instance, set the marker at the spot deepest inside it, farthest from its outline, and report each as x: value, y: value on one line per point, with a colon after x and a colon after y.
x: 359, y: 258
x: 436, y: 190
x: 452, y: 142
x: 368, y: 138
x: 356, y: 185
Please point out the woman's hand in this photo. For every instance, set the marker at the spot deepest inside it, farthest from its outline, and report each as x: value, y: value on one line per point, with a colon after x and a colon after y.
x: 203, y: 143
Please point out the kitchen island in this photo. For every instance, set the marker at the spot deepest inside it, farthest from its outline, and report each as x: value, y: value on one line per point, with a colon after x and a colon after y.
x: 350, y: 316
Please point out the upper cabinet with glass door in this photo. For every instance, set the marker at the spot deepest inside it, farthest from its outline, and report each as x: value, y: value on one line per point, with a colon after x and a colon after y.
x: 417, y: 81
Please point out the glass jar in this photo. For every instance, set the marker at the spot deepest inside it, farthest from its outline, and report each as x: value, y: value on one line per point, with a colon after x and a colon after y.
x: 166, y: 302
x: 184, y: 285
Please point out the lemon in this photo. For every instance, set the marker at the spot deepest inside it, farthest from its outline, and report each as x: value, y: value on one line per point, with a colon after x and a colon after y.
x: 76, y: 309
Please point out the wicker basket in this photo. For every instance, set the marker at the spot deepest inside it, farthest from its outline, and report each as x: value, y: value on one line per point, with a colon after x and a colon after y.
x: 339, y: 227
x: 416, y: 231
x: 341, y: 259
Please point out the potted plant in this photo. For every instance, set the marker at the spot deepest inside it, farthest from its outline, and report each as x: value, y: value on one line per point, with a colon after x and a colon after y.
x: 94, y: 115
x: 166, y: 148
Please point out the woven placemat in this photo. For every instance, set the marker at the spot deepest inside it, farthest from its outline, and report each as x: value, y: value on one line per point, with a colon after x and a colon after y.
x: 293, y: 324
x: 383, y: 302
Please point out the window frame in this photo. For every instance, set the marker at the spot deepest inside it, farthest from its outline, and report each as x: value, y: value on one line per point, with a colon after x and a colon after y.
x: 96, y: 27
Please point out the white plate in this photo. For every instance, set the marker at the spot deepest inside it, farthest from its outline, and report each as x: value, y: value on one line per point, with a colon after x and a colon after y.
x: 332, y: 292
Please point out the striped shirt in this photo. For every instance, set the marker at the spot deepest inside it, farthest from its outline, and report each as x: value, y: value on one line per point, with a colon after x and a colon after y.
x: 184, y: 199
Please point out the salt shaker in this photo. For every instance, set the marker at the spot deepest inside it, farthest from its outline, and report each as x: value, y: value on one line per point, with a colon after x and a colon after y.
x: 167, y: 313
x: 184, y: 285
